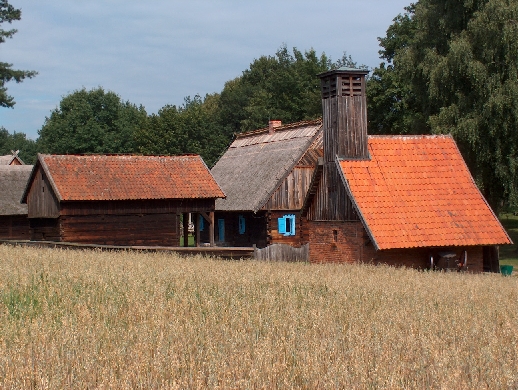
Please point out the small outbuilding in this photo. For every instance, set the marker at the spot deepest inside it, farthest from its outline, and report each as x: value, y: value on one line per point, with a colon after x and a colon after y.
x: 117, y: 199
x: 265, y: 175
x: 14, y: 224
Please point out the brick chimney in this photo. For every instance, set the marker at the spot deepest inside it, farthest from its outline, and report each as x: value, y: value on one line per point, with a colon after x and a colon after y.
x: 272, y: 124
x: 344, y: 107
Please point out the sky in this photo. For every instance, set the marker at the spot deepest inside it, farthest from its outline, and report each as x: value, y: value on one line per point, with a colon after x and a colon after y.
x: 157, y: 52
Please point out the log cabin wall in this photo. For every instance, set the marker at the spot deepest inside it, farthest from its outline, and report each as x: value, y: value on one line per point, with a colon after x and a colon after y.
x: 41, y: 199
x: 131, y: 229
x: 348, y: 242
x: 294, y: 238
x: 135, y: 222
x: 138, y: 222
x: 14, y: 227
x: 45, y: 229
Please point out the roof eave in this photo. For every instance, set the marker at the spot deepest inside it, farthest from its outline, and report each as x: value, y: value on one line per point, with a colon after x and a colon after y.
x: 355, y: 204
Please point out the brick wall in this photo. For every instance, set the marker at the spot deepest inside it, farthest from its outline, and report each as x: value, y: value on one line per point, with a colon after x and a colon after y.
x: 348, y: 242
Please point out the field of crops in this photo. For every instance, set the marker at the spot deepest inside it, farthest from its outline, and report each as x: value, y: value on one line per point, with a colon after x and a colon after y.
x: 90, y: 319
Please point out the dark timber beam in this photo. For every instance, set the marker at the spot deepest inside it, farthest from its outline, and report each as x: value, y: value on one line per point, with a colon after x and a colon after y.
x: 185, y: 229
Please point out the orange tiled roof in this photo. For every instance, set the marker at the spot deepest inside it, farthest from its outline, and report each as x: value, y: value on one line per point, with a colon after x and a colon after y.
x: 417, y: 191
x: 105, y: 177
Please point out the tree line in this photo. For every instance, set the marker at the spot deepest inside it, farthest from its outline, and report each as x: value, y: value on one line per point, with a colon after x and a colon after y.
x: 282, y: 86
x: 447, y: 68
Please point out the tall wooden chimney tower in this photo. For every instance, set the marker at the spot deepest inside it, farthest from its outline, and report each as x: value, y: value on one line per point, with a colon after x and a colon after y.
x: 344, y: 109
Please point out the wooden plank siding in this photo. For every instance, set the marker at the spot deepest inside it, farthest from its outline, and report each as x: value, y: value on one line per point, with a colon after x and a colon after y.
x: 41, y: 200
x: 290, y: 194
x: 144, y: 206
x: 345, y: 141
x: 345, y: 127
x: 330, y: 201
x: 281, y: 252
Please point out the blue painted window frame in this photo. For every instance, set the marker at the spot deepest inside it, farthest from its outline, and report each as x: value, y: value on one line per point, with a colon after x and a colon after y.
x: 221, y: 229
x: 286, y: 225
x: 241, y: 224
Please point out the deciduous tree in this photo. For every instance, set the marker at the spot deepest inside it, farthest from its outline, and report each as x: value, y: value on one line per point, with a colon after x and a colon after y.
x: 451, y: 68
x: 92, y: 121
x: 18, y: 141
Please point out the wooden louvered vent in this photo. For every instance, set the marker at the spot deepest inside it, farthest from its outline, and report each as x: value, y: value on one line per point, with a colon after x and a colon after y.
x: 352, y: 85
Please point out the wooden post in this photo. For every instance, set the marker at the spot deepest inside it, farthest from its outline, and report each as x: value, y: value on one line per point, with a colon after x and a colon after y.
x: 185, y: 229
x: 196, y: 229
x: 211, y: 228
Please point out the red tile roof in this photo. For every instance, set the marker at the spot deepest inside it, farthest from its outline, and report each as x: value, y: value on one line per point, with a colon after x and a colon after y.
x: 105, y: 177
x: 416, y: 191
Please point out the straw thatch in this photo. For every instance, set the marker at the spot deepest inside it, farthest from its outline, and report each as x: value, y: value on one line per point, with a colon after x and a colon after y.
x: 13, y: 179
x: 256, y: 163
x: 11, y: 159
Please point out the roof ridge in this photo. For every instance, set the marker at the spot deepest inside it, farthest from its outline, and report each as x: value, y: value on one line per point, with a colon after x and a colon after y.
x: 410, y: 136
x: 121, y: 155
x: 288, y: 126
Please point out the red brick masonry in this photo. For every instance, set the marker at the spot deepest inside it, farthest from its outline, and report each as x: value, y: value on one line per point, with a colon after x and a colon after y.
x: 348, y: 242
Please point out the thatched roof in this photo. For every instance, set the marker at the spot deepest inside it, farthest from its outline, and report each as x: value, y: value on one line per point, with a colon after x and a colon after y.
x: 11, y: 159
x: 13, y: 179
x: 256, y: 162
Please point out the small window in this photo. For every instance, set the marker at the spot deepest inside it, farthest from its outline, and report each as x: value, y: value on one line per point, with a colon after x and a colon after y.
x: 242, y: 225
x: 287, y: 225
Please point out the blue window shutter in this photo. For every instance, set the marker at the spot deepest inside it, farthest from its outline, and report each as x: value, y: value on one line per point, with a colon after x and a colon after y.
x: 282, y: 225
x: 242, y: 227
x: 292, y: 223
x: 202, y: 223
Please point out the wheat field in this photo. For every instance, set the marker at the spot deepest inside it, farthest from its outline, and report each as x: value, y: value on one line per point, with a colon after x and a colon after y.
x: 126, y: 320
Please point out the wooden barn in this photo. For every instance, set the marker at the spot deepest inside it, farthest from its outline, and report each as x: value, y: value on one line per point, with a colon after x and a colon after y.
x: 11, y: 159
x: 14, y: 224
x: 265, y: 175
x: 400, y: 200
x: 116, y: 199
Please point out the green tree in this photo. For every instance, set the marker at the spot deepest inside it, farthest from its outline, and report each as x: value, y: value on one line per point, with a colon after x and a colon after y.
x: 190, y: 128
x: 92, y: 121
x: 452, y: 69
x: 283, y: 86
x: 9, y: 14
x: 18, y: 141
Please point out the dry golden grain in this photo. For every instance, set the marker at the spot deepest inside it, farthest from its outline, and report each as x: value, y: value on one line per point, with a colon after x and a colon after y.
x: 100, y: 320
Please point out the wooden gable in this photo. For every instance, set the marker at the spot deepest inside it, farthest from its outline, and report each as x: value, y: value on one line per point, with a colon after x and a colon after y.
x: 41, y: 200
